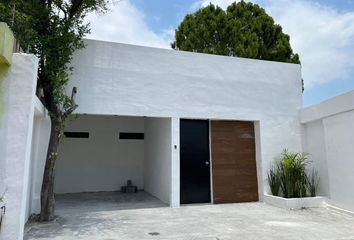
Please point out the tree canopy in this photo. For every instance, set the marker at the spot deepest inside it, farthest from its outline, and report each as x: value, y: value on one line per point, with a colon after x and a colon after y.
x: 53, y: 31
x: 242, y: 30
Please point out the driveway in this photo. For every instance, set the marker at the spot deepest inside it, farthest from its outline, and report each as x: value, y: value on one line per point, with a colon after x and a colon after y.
x: 115, y: 216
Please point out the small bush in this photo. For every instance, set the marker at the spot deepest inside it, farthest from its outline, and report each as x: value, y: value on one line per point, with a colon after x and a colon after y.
x: 289, y: 178
x: 274, y: 181
x: 313, y: 183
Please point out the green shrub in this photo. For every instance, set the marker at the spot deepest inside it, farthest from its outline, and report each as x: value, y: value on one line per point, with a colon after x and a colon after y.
x: 313, y: 183
x: 289, y: 178
x: 274, y: 181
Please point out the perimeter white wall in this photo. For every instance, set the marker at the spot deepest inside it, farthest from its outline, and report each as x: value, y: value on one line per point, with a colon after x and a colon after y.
x: 158, y: 158
x: 314, y: 143
x: 19, y: 88
x: 329, y: 138
x: 131, y: 80
x: 40, y: 141
x: 4, y: 94
x: 103, y: 162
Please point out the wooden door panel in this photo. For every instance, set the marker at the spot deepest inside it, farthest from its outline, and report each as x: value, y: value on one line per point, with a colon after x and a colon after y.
x: 233, y: 162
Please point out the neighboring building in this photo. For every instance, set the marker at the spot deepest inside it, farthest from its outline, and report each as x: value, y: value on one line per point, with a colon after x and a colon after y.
x: 185, y: 127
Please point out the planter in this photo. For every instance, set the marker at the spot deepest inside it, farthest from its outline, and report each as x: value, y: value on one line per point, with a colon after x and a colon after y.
x: 294, y: 203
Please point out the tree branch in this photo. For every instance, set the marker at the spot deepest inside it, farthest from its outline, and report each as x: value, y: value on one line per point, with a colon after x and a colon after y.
x: 73, y: 104
x: 59, y: 4
x: 75, y: 7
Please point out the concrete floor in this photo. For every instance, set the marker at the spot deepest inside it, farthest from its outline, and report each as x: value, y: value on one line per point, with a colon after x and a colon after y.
x: 115, y: 216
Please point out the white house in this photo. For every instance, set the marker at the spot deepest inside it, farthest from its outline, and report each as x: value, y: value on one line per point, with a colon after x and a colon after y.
x: 211, y: 124
x: 184, y: 127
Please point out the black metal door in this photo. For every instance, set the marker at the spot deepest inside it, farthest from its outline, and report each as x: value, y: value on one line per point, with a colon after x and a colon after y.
x: 194, y: 161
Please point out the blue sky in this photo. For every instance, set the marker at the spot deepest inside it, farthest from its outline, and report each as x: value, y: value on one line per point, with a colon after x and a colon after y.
x: 321, y: 31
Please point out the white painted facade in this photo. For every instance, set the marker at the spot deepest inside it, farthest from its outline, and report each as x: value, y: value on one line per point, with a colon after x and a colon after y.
x: 127, y: 80
x: 40, y: 140
x: 23, y: 111
x: 156, y: 88
x: 102, y: 162
x: 158, y: 158
x: 125, y: 88
x: 329, y: 138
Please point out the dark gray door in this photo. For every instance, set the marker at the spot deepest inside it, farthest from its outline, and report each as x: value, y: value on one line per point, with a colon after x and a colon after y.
x: 194, y: 161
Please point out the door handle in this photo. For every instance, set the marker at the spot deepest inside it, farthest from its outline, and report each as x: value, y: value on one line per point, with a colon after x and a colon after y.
x: 206, y: 163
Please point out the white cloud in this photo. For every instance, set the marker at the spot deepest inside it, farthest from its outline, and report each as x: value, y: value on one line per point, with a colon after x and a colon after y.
x: 124, y: 23
x: 323, y: 36
x: 221, y: 3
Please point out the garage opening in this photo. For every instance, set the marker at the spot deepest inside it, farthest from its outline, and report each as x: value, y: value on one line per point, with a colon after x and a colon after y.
x: 101, y: 153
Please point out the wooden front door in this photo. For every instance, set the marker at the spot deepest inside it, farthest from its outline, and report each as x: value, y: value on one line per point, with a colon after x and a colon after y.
x: 233, y: 162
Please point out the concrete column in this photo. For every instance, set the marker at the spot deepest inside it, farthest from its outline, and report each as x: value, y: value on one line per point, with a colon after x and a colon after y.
x: 259, y: 162
x: 175, y: 165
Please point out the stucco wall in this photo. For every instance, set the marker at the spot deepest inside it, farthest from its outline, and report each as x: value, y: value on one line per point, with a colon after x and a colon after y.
x: 123, y: 79
x: 133, y: 80
x: 19, y: 86
x: 314, y: 143
x: 40, y: 141
x: 175, y: 164
x: 158, y: 147
x: 329, y: 129
x: 4, y: 85
x: 103, y: 162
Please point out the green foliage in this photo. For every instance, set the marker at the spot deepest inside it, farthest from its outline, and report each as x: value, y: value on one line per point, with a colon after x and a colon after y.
x: 52, y: 30
x: 290, y: 175
x: 313, y: 183
x: 274, y: 181
x: 243, y: 30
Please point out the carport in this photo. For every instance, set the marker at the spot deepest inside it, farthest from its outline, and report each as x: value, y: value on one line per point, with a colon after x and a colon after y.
x: 101, y: 153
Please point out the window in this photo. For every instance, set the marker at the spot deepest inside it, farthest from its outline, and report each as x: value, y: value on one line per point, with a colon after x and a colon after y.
x: 77, y: 134
x: 131, y: 136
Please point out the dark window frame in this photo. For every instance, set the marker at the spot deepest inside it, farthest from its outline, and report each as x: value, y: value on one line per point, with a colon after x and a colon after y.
x: 131, y: 136
x: 77, y: 134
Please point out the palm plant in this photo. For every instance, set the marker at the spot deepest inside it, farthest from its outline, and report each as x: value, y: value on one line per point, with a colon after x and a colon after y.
x: 291, y: 170
x: 274, y: 181
x: 312, y: 183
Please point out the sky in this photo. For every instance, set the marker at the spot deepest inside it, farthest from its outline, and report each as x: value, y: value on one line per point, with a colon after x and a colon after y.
x: 321, y: 31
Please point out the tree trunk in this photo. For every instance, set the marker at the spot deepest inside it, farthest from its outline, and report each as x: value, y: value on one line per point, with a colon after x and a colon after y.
x: 47, y: 192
